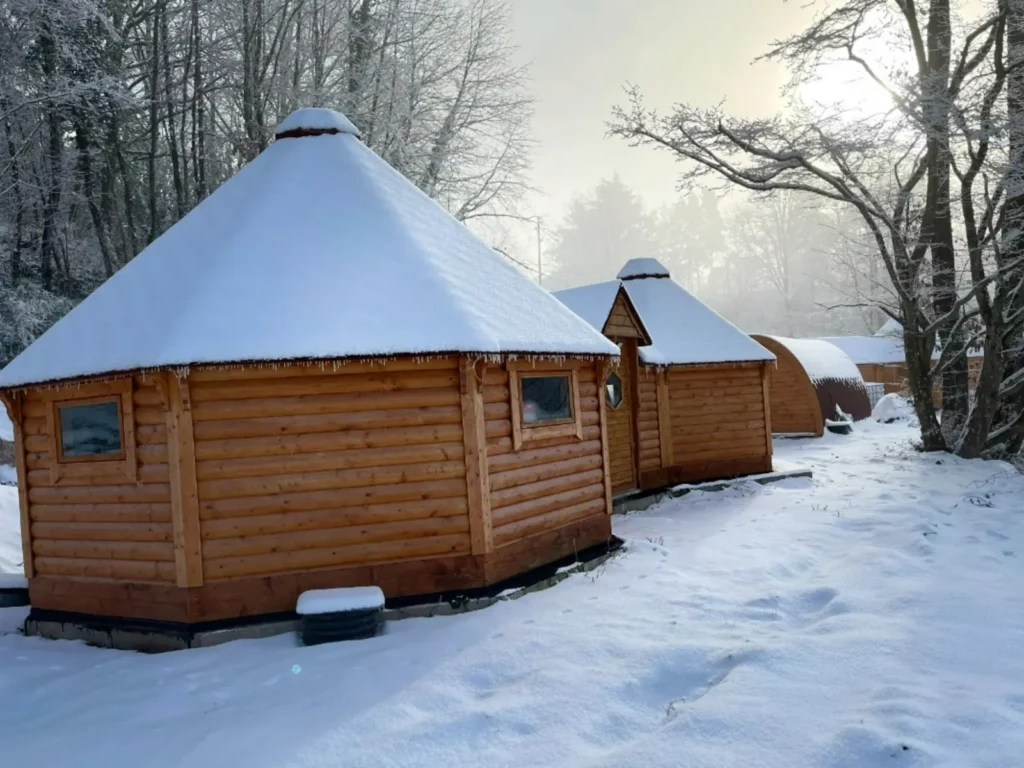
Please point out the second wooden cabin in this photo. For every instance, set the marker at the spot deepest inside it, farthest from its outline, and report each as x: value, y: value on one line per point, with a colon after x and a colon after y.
x: 688, y: 399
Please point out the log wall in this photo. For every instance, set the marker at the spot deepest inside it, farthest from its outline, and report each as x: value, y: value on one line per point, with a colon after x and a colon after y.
x: 648, y: 420
x: 547, y: 484
x: 299, y: 477
x: 719, y: 421
x: 329, y: 468
x: 91, y: 526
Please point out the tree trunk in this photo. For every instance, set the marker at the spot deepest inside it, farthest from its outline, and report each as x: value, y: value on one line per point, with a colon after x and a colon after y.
x: 55, y: 158
x: 1013, y: 227
x: 172, y: 145
x: 83, y: 144
x: 154, y: 122
x: 940, y: 232
x: 198, y: 109
x: 19, y: 205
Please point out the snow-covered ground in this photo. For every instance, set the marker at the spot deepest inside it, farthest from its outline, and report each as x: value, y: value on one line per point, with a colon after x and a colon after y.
x: 10, y: 526
x: 871, y: 617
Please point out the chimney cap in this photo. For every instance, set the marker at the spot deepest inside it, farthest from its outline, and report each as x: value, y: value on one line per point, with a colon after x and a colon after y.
x: 314, y: 121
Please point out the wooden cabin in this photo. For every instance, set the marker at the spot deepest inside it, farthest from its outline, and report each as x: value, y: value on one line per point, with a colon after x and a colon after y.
x: 688, y: 398
x: 811, y: 379
x: 318, y: 378
x: 881, y: 358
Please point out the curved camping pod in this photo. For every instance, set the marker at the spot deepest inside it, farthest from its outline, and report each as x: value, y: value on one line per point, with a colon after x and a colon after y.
x: 316, y: 379
x: 812, y: 377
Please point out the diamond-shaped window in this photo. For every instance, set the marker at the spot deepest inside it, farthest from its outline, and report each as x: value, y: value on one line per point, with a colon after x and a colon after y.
x: 613, y: 390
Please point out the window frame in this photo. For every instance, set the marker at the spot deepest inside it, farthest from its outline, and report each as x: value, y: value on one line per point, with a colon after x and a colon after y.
x: 622, y: 390
x: 98, y: 400
x: 109, y: 466
x: 524, y: 432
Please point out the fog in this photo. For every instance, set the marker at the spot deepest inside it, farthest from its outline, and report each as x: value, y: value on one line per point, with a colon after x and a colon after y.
x: 582, y: 52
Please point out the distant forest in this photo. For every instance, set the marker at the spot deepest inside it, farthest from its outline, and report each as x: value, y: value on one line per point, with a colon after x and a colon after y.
x: 118, y: 116
x: 784, y: 264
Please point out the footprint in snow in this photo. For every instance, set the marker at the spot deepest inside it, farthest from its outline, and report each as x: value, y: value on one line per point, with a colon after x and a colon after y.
x: 720, y: 672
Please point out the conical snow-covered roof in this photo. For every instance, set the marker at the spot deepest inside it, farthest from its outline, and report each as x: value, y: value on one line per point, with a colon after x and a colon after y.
x: 683, y: 329
x: 316, y: 249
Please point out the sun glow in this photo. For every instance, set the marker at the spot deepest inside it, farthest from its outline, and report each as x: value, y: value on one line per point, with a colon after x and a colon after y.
x: 846, y: 86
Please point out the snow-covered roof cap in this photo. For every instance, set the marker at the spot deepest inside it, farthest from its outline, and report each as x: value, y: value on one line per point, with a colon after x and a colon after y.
x: 637, y: 269
x: 821, y: 360
x: 314, y: 120
x: 317, y: 249
x: 891, y: 329
x: 683, y: 330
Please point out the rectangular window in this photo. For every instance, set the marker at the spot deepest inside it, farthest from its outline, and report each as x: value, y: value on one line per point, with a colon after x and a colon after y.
x: 91, y: 430
x: 546, y: 399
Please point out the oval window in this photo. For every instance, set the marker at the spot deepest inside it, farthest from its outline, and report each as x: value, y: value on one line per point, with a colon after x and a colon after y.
x: 613, y: 390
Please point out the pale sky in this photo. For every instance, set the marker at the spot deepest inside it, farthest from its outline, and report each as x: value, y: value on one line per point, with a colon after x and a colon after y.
x: 582, y: 52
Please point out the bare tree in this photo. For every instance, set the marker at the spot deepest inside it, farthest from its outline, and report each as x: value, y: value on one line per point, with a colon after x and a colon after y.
x: 894, y: 170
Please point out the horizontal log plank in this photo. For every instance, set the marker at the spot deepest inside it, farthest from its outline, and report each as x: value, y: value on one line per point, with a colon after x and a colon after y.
x: 548, y: 487
x: 502, y: 446
x: 223, y: 469
x: 248, y: 372
x: 99, y: 531
x: 120, y: 570
x: 103, y: 513
x: 506, y: 534
x: 354, y: 440
x: 360, y: 402
x: 381, y: 552
x: 517, y: 477
x: 307, y: 386
x: 210, y: 490
x: 158, y: 492
x: 149, y: 551
x: 324, y: 423
x: 533, y: 456
x: 332, y: 518
x: 293, y: 541
x: 533, y: 507
x: 349, y: 497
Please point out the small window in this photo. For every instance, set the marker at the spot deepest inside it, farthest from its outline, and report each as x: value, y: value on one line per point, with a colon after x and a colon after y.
x: 90, y: 430
x: 613, y: 390
x: 546, y: 399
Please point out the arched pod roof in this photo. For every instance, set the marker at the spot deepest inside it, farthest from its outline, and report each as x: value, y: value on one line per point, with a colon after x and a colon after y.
x: 813, y: 378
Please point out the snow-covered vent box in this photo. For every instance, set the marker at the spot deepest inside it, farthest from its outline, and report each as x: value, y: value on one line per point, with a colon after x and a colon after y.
x: 13, y: 590
x: 348, y: 613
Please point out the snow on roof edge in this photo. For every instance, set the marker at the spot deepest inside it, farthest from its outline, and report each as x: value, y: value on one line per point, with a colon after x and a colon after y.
x: 821, y: 360
x: 336, y: 363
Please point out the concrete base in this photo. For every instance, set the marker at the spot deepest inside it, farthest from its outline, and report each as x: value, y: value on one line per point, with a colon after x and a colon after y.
x: 157, y: 637
x: 151, y: 640
x: 638, y: 501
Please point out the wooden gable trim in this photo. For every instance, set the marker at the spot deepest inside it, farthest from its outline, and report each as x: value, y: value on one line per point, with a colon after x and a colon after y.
x: 623, y: 301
